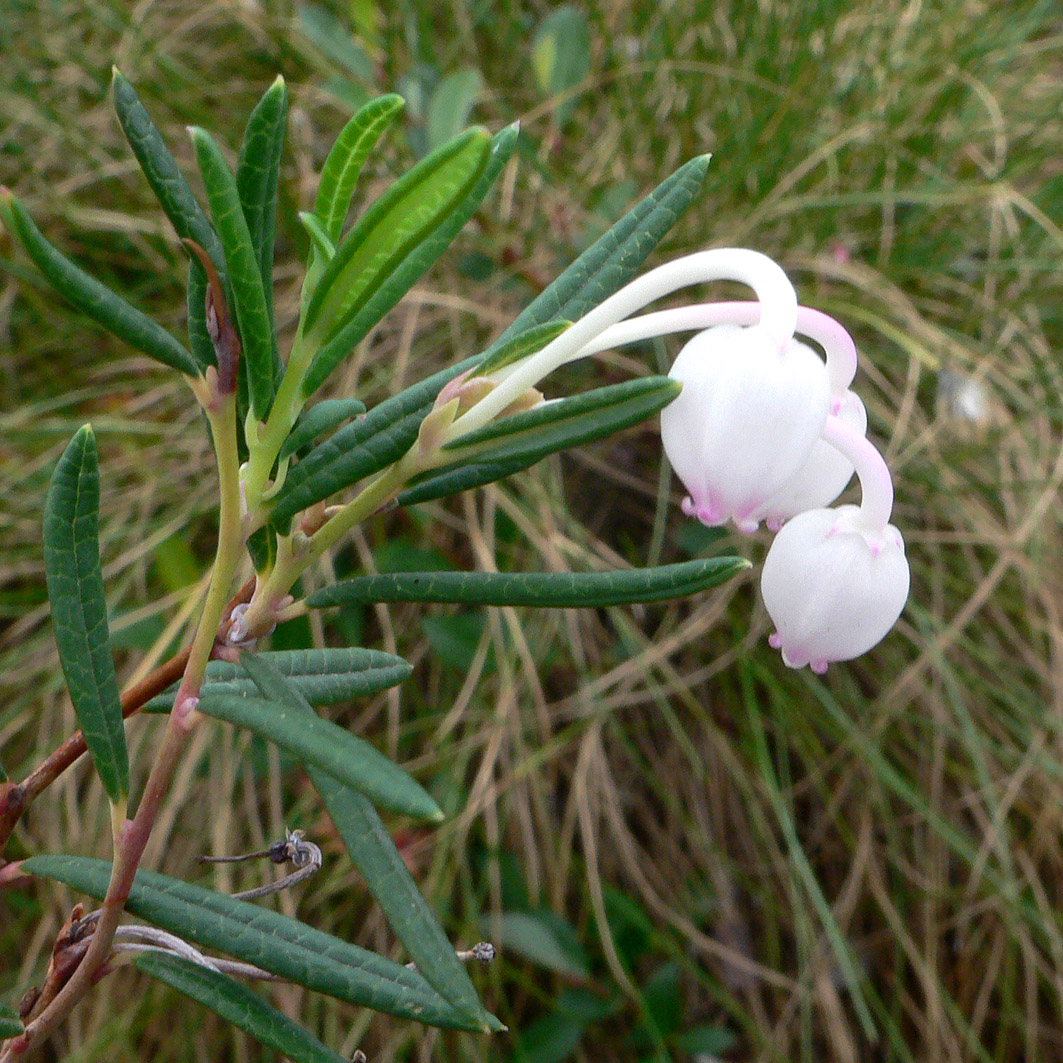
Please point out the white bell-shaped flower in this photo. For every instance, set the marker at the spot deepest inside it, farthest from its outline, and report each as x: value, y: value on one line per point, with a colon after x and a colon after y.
x: 822, y: 477
x: 745, y: 422
x: 833, y: 587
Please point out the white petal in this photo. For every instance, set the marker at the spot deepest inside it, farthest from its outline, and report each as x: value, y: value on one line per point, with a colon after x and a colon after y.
x: 832, y: 588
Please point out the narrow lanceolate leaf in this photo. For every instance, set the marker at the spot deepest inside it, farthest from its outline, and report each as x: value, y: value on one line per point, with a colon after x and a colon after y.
x: 361, y: 448
x: 552, y: 590
x: 253, y: 319
x: 517, y: 442
x: 93, y: 298
x: 609, y: 263
x: 160, y: 168
x: 79, y: 610
x: 522, y: 345
x: 374, y: 854
x: 10, y: 1023
x: 324, y: 248
x: 254, y: 934
x: 408, y: 269
x: 399, y: 220
x: 345, y: 161
x: 320, y: 742
x: 318, y: 420
x: 237, y: 1004
x: 257, y: 177
x: 198, y: 336
x: 324, y: 677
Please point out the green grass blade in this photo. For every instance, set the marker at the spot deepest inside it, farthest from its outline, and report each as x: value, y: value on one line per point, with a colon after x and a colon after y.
x: 286, y: 947
x: 257, y: 177
x: 93, y: 298
x: 79, y: 609
x: 324, y: 677
x: 518, y: 442
x: 316, y: 741
x: 237, y: 1004
x: 399, y: 220
x: 361, y: 448
x: 318, y: 420
x: 374, y: 854
x: 253, y: 319
x: 412, y: 266
x: 345, y: 161
x: 10, y: 1023
x: 609, y: 263
x: 545, y: 590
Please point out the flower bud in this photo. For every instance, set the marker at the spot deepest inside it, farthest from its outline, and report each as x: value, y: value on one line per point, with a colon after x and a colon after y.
x: 745, y: 422
x: 833, y: 586
x: 822, y: 477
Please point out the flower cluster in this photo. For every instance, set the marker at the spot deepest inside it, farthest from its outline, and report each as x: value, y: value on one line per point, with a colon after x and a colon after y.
x: 765, y: 429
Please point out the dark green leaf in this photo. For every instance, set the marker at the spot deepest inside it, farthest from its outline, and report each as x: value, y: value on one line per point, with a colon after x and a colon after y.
x: 324, y: 677
x: 522, y: 345
x: 413, y: 266
x: 93, y: 298
x: 537, y: 936
x: 551, y: 1039
x: 707, y: 1040
x: 253, y: 319
x: 452, y: 101
x: 374, y: 854
x: 549, y: 590
x: 345, y: 161
x: 79, y: 609
x: 163, y: 174
x: 198, y: 336
x: 10, y: 1023
x: 397, y: 222
x: 343, y: 755
x: 318, y: 420
x: 236, y: 1003
x: 257, y: 177
x: 533, y: 435
x: 254, y: 934
x: 609, y: 263
x: 361, y: 448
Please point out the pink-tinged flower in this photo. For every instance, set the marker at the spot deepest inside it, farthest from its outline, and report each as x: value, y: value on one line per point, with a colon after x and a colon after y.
x: 746, y: 421
x: 835, y: 580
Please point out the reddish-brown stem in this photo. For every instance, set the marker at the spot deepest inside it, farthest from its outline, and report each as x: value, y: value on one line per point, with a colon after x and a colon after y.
x: 15, y: 798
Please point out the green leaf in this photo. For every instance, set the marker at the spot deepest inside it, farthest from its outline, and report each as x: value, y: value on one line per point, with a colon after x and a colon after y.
x: 93, y: 298
x: 236, y: 1003
x: 521, y: 346
x: 160, y: 168
x: 347, y: 158
x: 361, y: 448
x: 318, y: 420
x: 254, y: 934
x: 198, y: 336
x: 343, y: 755
x: 551, y: 1039
x: 333, y: 36
x: 323, y: 248
x: 10, y: 1023
x: 545, y: 590
x: 253, y: 319
x: 257, y: 177
x: 707, y: 1040
x: 374, y: 854
x: 79, y: 609
x: 561, y: 55
x: 609, y: 263
x: 324, y: 677
x: 539, y: 937
x: 400, y: 219
x: 413, y: 266
x: 452, y: 101
x: 517, y: 442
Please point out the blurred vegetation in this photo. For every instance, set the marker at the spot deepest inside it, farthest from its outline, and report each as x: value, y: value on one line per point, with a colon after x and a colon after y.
x: 683, y: 849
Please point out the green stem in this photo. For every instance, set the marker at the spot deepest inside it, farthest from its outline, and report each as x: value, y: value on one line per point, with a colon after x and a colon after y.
x: 131, y: 837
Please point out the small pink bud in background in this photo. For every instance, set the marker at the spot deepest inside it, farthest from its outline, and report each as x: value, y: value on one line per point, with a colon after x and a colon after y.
x: 833, y: 586
x: 745, y: 422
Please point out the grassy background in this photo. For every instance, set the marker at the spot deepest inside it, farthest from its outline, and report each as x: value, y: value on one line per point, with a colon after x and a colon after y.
x: 710, y: 854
